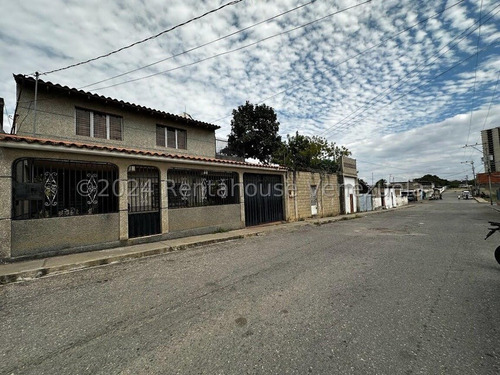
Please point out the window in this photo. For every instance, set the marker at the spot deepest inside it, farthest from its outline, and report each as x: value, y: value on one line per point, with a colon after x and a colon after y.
x: 171, y: 137
x: 98, y: 125
x: 194, y: 188
x: 44, y: 188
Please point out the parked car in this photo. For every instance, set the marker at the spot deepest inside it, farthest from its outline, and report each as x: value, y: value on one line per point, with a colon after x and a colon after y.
x: 466, y: 194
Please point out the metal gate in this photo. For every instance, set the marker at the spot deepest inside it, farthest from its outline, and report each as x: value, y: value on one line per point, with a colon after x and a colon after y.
x: 263, y: 198
x: 143, y: 201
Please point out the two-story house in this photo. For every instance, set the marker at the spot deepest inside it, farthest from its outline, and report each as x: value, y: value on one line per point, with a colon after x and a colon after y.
x: 81, y: 171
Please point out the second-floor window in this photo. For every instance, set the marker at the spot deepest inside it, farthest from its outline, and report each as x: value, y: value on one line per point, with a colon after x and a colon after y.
x: 98, y: 124
x: 171, y: 137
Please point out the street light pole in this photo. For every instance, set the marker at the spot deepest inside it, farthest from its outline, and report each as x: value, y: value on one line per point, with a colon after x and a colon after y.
x: 473, y: 174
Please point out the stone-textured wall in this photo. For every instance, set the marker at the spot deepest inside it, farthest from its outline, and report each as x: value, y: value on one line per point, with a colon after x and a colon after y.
x: 56, y: 120
x: 299, y: 194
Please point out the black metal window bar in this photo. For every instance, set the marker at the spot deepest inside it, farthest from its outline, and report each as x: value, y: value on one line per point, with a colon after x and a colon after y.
x: 143, y: 189
x: 44, y: 188
x: 143, y: 201
x: 196, y: 188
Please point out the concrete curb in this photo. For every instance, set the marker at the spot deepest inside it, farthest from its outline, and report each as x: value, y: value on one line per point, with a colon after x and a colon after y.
x: 44, y: 270
x: 33, y: 269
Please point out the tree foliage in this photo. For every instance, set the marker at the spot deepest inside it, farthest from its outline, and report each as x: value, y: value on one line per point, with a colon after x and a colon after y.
x: 301, y: 152
x: 364, y: 188
x: 432, y: 178
x: 254, y: 132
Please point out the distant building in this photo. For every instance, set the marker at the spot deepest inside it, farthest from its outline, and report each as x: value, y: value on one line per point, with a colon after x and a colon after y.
x: 491, y: 149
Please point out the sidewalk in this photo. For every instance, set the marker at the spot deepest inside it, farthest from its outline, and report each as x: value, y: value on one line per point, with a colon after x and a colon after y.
x: 30, y: 269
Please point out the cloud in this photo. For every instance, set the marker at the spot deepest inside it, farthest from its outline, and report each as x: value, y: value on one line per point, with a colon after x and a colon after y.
x: 355, y: 77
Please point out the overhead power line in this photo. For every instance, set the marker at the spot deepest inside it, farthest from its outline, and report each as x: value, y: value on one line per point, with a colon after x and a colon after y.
x: 408, y: 76
x: 235, y: 49
x: 200, y: 46
x: 366, y: 50
x: 422, y: 85
x: 493, y: 95
x: 144, y: 40
x: 491, y: 101
x: 475, y: 73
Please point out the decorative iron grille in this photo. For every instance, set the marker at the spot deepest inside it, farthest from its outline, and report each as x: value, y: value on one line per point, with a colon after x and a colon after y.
x: 44, y: 188
x: 195, y: 188
x: 143, y: 189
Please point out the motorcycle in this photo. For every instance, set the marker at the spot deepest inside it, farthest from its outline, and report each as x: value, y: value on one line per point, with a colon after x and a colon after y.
x: 493, y: 230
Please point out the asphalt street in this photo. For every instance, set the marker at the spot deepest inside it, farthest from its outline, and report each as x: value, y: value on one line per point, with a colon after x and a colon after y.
x: 411, y: 291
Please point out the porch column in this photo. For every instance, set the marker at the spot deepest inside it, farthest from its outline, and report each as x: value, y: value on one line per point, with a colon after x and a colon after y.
x: 5, y: 207
x: 242, y: 200
x: 123, y: 201
x: 164, y: 200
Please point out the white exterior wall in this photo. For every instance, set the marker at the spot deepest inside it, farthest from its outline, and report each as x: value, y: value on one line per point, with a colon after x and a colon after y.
x: 376, y: 202
x: 390, y: 198
x: 401, y: 201
x: 349, y: 188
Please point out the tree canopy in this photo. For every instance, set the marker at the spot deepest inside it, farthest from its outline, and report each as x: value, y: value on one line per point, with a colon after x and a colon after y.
x: 254, y: 132
x: 302, y: 152
x: 432, y: 178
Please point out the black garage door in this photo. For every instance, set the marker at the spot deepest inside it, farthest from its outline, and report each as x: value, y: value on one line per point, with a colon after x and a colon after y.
x: 263, y: 198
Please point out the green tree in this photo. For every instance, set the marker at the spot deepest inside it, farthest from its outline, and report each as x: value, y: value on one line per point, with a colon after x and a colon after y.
x: 254, y: 132
x: 364, y: 188
x: 301, y: 152
x: 432, y: 178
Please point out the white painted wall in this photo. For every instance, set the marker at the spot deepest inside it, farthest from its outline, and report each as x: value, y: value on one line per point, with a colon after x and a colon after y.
x: 349, y: 188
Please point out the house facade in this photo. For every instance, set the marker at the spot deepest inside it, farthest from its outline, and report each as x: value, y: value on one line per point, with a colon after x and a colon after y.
x: 348, y: 180
x: 85, y: 172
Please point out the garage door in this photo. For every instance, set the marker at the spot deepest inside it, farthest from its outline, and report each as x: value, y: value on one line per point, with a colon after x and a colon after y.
x: 263, y: 198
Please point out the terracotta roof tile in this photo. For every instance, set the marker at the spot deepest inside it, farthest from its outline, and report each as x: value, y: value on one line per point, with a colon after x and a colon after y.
x: 22, y: 79
x: 111, y: 148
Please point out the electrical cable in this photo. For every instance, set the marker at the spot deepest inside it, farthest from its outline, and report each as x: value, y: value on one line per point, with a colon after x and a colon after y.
x: 200, y: 46
x: 475, y: 74
x: 143, y: 40
x: 409, y: 74
x: 420, y: 86
x: 232, y: 50
x: 489, y: 109
x: 352, y: 57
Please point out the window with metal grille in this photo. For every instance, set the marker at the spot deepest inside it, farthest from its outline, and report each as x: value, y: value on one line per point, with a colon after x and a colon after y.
x: 167, y: 136
x: 195, y: 188
x: 98, y: 125
x: 44, y: 188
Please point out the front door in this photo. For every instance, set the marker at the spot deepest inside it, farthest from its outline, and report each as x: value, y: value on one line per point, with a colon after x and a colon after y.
x: 143, y: 201
x: 314, y: 200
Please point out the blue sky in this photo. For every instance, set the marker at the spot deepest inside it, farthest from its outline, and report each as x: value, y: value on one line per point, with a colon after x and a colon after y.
x: 402, y: 84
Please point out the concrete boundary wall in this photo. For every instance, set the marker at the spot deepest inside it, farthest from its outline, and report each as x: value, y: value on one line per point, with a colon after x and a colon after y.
x: 299, y: 195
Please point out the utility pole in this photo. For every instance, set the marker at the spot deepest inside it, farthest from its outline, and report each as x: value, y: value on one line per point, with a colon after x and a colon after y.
x: 471, y: 162
x: 37, y: 75
x: 490, y: 158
